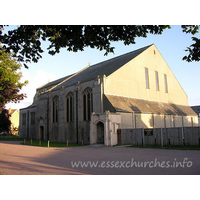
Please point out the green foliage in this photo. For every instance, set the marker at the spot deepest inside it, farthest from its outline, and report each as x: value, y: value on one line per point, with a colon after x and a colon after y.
x: 51, y: 144
x: 193, y: 29
x: 11, y: 138
x: 194, y: 51
x: 25, y: 41
x: 4, y: 121
x: 168, y: 147
x: 10, y: 84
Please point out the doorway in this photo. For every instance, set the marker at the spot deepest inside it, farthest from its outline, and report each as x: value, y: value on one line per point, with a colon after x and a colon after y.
x: 100, y: 133
x: 41, y: 132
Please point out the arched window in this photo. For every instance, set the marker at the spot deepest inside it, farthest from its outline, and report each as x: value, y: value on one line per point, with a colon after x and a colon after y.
x: 55, y: 109
x: 69, y: 107
x: 87, y: 104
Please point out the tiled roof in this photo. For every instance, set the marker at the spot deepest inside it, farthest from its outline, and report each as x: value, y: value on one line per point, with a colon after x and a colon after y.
x: 125, y: 104
x: 196, y: 109
x: 31, y: 106
x: 52, y: 83
x: 12, y: 111
x: 104, y: 68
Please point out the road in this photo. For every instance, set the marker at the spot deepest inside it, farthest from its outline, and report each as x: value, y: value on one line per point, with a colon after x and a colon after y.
x: 17, y: 159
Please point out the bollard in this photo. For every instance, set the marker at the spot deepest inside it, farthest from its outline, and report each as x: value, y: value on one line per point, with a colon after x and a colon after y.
x: 169, y: 142
x: 31, y: 141
x: 155, y: 141
x: 24, y: 141
x: 39, y: 143
x: 48, y: 143
x: 67, y: 143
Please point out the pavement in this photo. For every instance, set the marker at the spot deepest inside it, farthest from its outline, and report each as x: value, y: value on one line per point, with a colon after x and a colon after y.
x: 17, y: 159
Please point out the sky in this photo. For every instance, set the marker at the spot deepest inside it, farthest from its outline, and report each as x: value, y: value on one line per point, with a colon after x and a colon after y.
x: 171, y: 44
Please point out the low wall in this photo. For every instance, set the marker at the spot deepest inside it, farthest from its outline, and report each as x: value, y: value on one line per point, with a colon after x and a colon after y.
x: 182, y: 136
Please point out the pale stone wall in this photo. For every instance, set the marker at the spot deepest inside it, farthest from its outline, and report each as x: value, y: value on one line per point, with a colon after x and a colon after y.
x: 130, y: 120
x: 32, y: 127
x: 129, y: 80
x: 126, y: 120
x: 111, y: 121
x: 143, y: 121
x: 63, y: 130
x: 28, y: 130
x: 15, y: 119
x: 22, y: 127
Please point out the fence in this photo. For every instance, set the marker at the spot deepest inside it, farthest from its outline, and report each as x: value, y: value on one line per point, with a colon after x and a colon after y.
x: 182, y: 136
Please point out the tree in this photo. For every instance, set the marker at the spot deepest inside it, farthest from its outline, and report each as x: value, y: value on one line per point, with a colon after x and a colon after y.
x: 5, y: 122
x: 10, y: 76
x: 194, y: 49
x: 25, y: 41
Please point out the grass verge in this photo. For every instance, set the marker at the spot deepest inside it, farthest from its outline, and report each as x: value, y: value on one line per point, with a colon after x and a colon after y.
x: 11, y: 138
x: 168, y: 147
x: 51, y: 144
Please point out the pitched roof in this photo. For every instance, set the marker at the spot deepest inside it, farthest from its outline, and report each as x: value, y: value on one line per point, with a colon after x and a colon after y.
x: 196, y: 109
x: 126, y: 104
x: 12, y: 111
x: 55, y: 82
x: 31, y: 106
x: 103, y: 68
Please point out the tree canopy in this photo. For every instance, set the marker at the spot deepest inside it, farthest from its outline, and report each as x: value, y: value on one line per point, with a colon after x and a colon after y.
x: 25, y: 40
x: 5, y: 122
x: 10, y: 76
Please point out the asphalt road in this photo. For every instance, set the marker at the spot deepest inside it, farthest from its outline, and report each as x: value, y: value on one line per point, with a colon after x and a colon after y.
x: 16, y: 159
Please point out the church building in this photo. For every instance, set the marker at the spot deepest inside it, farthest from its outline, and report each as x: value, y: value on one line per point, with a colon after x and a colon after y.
x: 134, y: 90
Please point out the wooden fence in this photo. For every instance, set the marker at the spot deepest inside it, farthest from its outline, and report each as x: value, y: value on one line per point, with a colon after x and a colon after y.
x: 182, y: 136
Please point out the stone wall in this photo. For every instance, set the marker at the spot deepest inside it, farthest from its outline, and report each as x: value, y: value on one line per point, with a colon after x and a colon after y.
x: 111, y: 122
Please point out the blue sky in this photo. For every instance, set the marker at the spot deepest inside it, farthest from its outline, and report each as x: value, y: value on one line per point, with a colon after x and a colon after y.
x: 171, y: 45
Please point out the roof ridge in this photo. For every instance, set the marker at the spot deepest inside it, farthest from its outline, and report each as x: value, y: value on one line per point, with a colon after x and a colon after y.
x: 67, y: 78
x: 122, y: 55
x: 106, y: 67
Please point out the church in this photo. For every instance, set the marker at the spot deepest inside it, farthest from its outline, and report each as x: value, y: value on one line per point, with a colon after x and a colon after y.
x: 134, y: 90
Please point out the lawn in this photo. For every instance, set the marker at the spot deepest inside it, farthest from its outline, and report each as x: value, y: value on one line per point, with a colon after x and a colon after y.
x: 51, y: 144
x: 169, y: 147
x: 11, y: 138
x: 36, y: 143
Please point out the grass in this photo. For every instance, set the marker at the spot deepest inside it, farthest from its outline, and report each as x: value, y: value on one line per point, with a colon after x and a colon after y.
x: 168, y: 147
x: 36, y: 143
x: 11, y: 138
x: 51, y: 144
